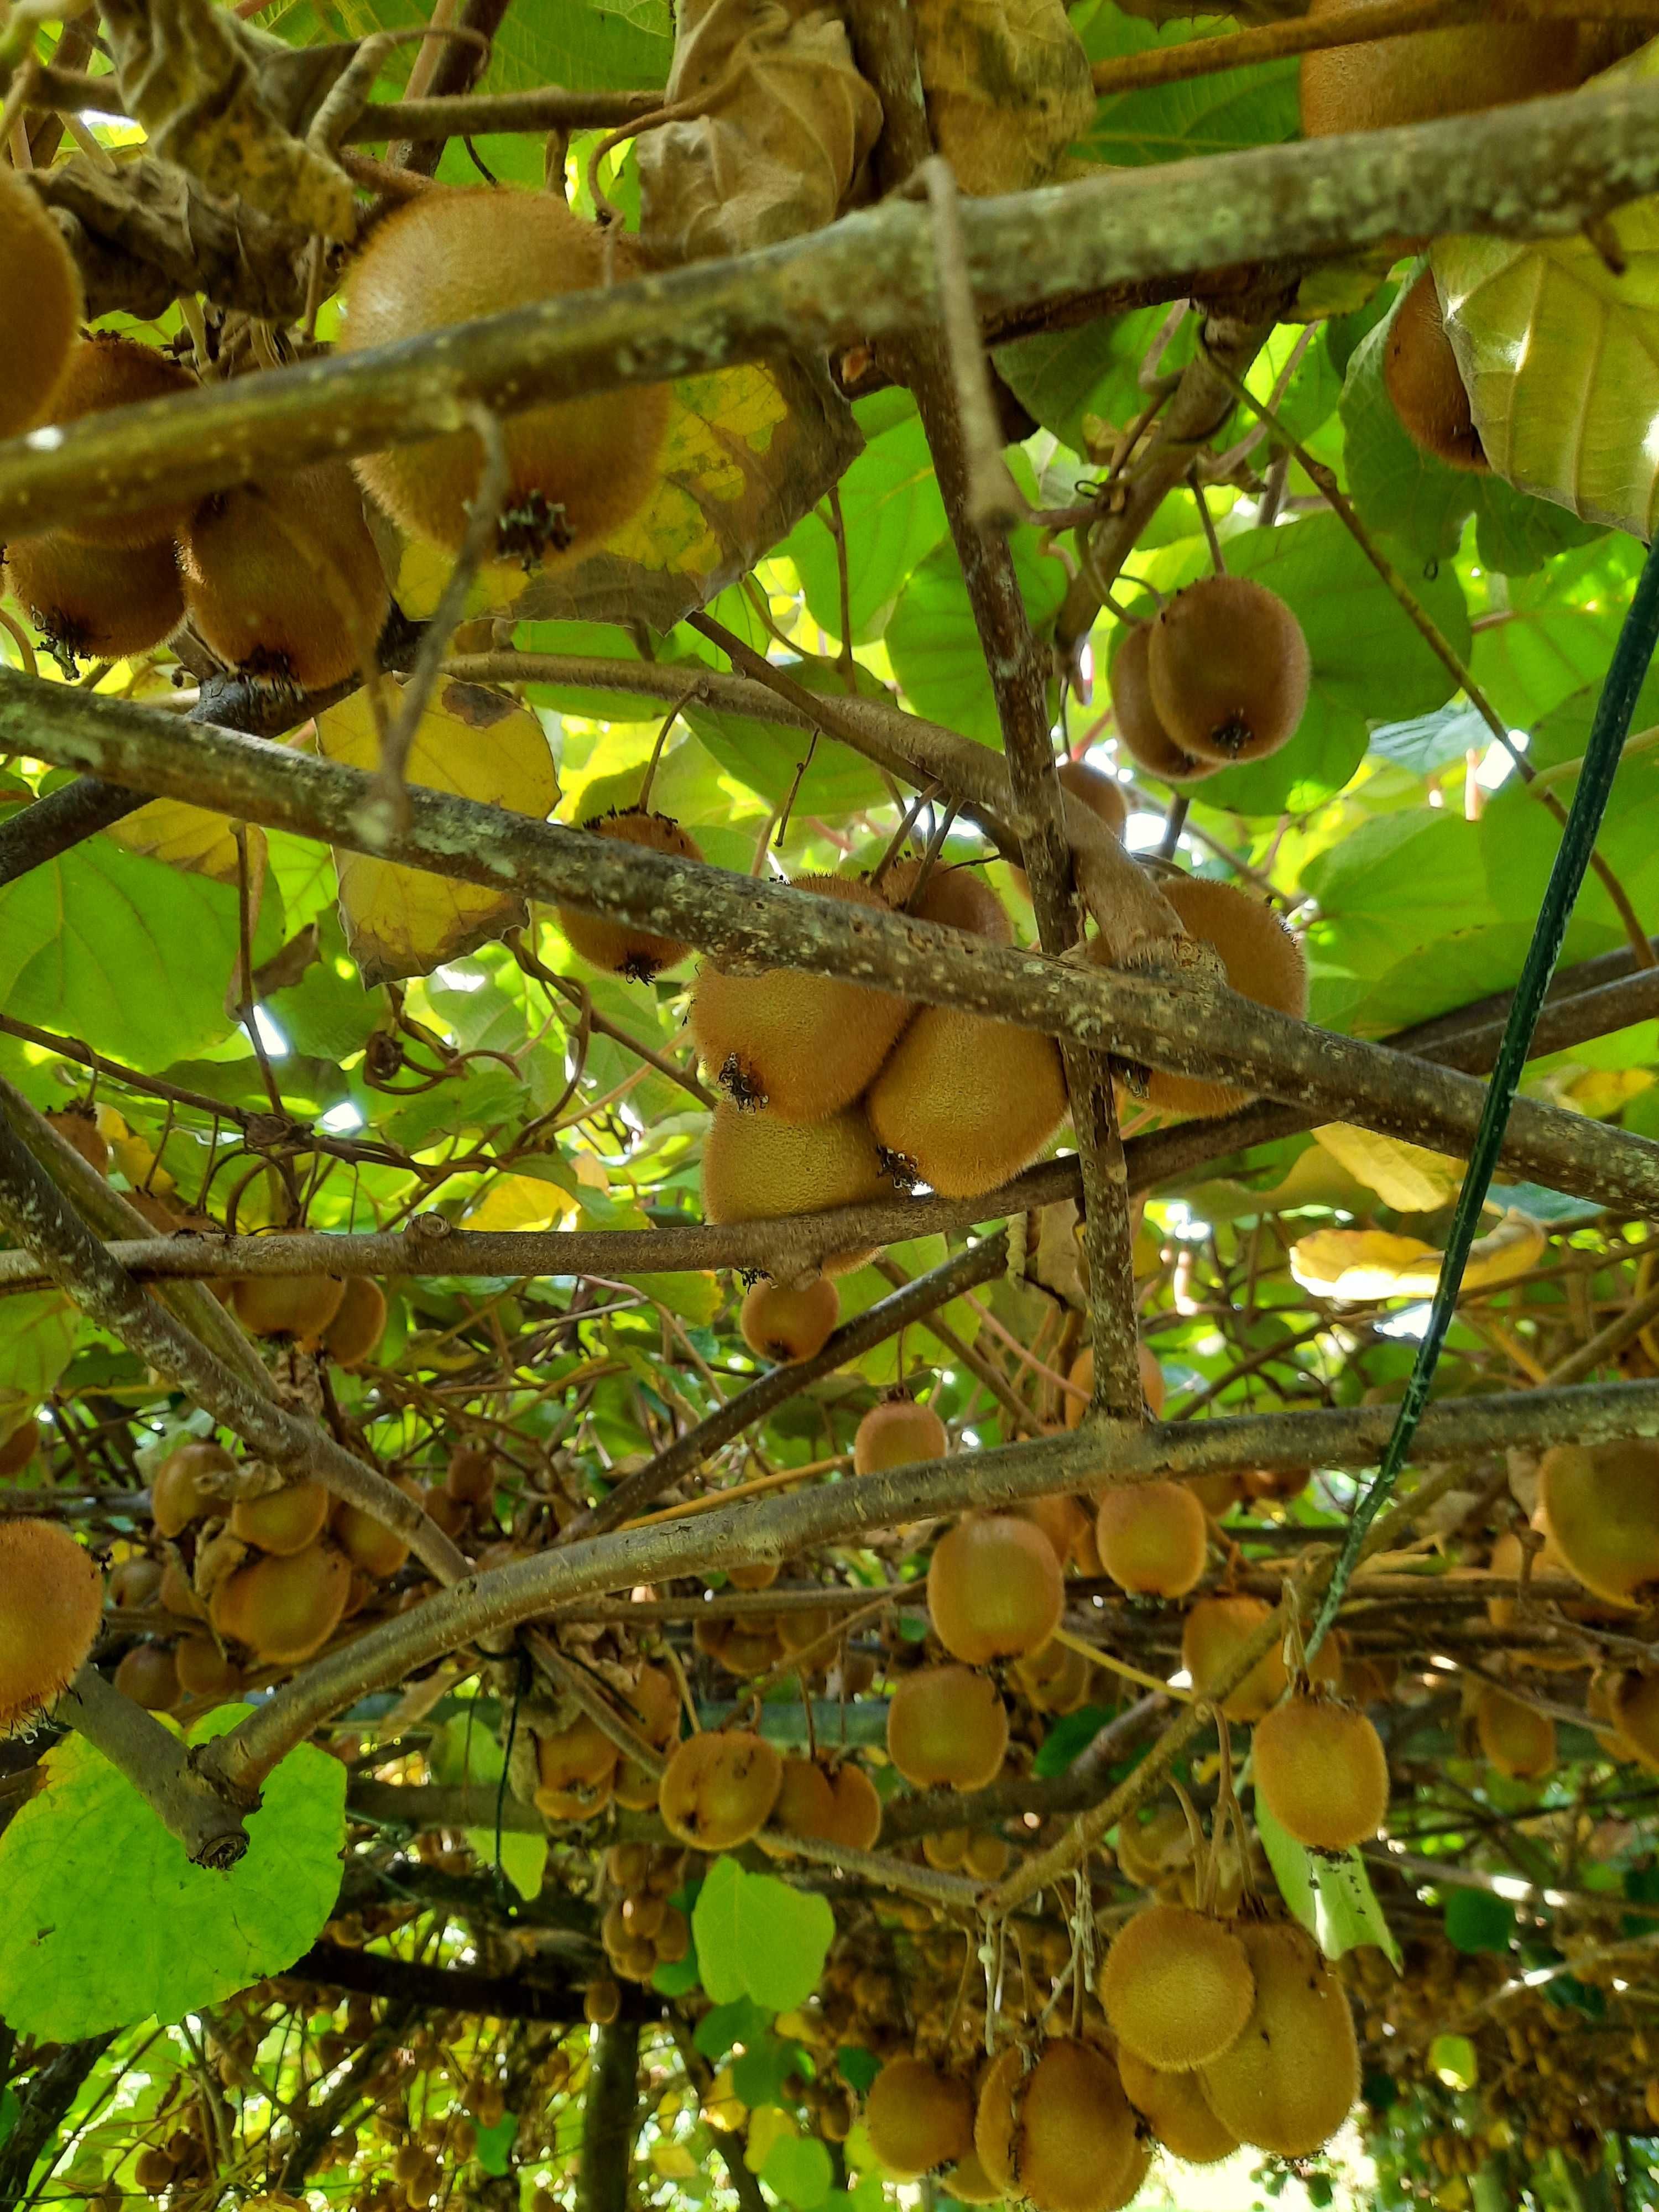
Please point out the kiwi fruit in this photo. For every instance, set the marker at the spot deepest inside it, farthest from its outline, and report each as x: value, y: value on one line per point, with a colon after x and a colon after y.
x: 1058, y: 2132
x: 267, y: 566
x: 1081, y: 1376
x: 204, y: 1669
x: 96, y: 602
x: 1634, y: 1707
x: 619, y: 948
x: 18, y: 1446
x: 148, y: 1674
x: 969, y: 2181
x: 954, y: 899
x: 1101, y: 793
x: 80, y: 1131
x: 1514, y: 1736
x: 918, y: 2119
x: 39, y: 276
x: 946, y: 1848
x: 470, y: 1476
x: 1601, y: 1501
x: 1214, y: 1630
x: 1055, y: 1678
x: 753, y: 1575
x: 1061, y: 1519
x: 355, y: 1334
x: 177, y: 1593
x: 178, y: 1493
x: 1152, y: 1537
x: 787, y: 1325
x: 284, y: 1609
x: 1321, y: 1770
x: 1276, y: 1486
x: 1421, y: 377
x: 987, y: 1857
x: 801, y: 1046
x: 301, y: 1306
x: 718, y: 1790
x: 898, y: 1432
x: 947, y: 1726
x: 757, y: 1167
x: 104, y: 371
x: 1289, y: 2081
x: 580, y: 1756
x: 965, y: 1102
x: 1175, y: 2109
x: 1176, y: 1987
x: 50, y: 1615
x: 579, y: 469
x: 995, y: 1588
x: 804, y: 1806
x: 368, y: 1543
x: 1218, y: 1493
x: 135, y: 1584
x: 855, y: 1809
x: 282, y: 1521
x: 1140, y: 731
x: 1229, y: 669
x: 1419, y: 76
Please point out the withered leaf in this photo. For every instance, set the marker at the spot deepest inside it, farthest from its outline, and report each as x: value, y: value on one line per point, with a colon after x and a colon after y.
x: 1008, y: 88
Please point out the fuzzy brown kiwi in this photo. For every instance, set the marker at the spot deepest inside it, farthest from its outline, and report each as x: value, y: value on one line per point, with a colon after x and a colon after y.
x: 1288, y: 2082
x: 1601, y: 1501
x: 1321, y: 1769
x: 18, y: 1447
x: 995, y: 1588
x: 470, y: 1476
x: 148, y: 1674
x: 1101, y: 793
x: 105, y: 371
x: 1420, y: 76
x: 898, y: 1432
x: 1634, y: 1706
x: 178, y: 1494
x: 855, y: 1809
x: 136, y: 1583
x: 284, y: 1609
x: 956, y: 898
x: 271, y: 570
x: 51, y: 1605
x: 965, y: 1102
x: 1263, y: 961
x: 282, y: 1521
x: 1140, y: 732
x: 1177, y: 1986
x: 301, y: 1306
x: 918, y: 2119
x: 1081, y: 1376
x: 575, y: 1759
x: 946, y: 1725
x: 204, y: 1669
x: 1061, y: 2134
x: 718, y: 1790
x: 1212, y: 1631
x: 1421, y: 377
x: 355, y: 1332
x: 1152, y: 1537
x: 577, y: 470
x: 96, y: 602
x: 39, y: 280
x: 1229, y: 668
x: 804, y: 1806
x: 79, y: 1130
x: 787, y: 1324
x: 756, y: 1167
x: 618, y: 947
x: 801, y: 1046
x: 1055, y: 1677
x: 1514, y: 1736
x: 1174, y: 2106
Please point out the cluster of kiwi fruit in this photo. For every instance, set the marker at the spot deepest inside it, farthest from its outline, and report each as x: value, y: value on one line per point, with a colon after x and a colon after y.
x: 640, y: 1928
x: 1219, y: 676
x: 581, y: 1770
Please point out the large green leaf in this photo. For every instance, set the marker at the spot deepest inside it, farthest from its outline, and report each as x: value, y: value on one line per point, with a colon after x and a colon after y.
x: 37, y: 1336
x: 107, y: 1922
x: 1214, y: 114
x: 1329, y: 1892
x: 891, y: 514
x: 934, y: 645
x: 757, y: 1937
x: 1061, y: 376
x: 768, y: 756
x: 590, y: 45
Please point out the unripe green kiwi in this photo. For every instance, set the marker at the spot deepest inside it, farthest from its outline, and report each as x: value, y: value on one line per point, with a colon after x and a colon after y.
x: 918, y: 2119
x: 1515, y: 1737
x: 301, y: 1306
x: 1321, y: 1768
x: 757, y: 1167
x: 1421, y: 377
x: 178, y: 1493
x: 1229, y: 668
x: 577, y: 470
x: 783, y: 1324
x: 1059, y: 2132
x: 1140, y: 731
x: 947, y: 1725
x: 899, y: 1432
x: 148, y: 1674
x: 995, y: 1588
x: 801, y: 1046
x: 1601, y: 1501
x: 1177, y: 1986
x: 1152, y: 1537
x: 1417, y: 76
x: 966, y: 1102
x: 1175, y: 2107
x: 284, y: 1609
x: 1288, y: 2082
x: 355, y: 1332
x: 282, y: 578
x: 1214, y: 1630
x: 282, y: 1521
x: 618, y: 947
x: 718, y: 1790
x: 96, y: 602
x: 40, y: 283
x: 51, y: 1605
x: 104, y: 371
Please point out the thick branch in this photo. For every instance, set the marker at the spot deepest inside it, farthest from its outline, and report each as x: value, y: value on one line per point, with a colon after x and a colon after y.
x: 198, y: 1807
x: 610, y: 2118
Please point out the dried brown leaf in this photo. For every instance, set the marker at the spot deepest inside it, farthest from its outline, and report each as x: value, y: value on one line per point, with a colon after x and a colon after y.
x: 1008, y: 88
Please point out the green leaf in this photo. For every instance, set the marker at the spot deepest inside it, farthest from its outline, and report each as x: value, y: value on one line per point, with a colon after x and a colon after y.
x: 1475, y: 1920
x: 1329, y: 1892
x: 36, y: 1342
x: 857, y: 2066
x: 757, y: 1937
x: 797, y: 2167
x: 741, y: 2021
x: 465, y: 1755
x: 596, y: 44
x: 1222, y: 112
x: 494, y: 2147
x: 767, y: 756
x: 1067, y: 1740
x: 1061, y: 376
x: 767, y: 2063
x: 1454, y: 2059
x: 892, y: 514
x: 109, y: 1923
x: 934, y: 645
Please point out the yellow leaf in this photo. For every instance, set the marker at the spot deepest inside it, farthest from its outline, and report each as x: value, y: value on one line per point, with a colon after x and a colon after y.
x: 402, y: 921
x: 1404, y: 1176
x: 513, y: 1201
x: 194, y: 841
x: 769, y: 2125
x: 1356, y: 1265
x: 1602, y: 1090
x: 672, y: 2160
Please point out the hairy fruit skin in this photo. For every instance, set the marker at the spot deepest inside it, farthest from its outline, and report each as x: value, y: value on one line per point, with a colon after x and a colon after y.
x: 178, y: 1495
x: 1175, y: 2107
x: 355, y: 1332
x: 302, y: 1306
x: 283, y: 1522
x: 994, y: 1589
x: 947, y: 1725
x: 1417, y: 76
x: 755, y: 1167
x: 577, y: 470
x: 104, y: 371
x: 918, y: 2120
x: 38, y: 273
x: 1229, y: 668
x: 1288, y: 2082
x: 966, y: 1102
x: 618, y: 947
x: 1152, y: 1537
x: 51, y: 1605
x: 100, y: 602
x: 717, y: 1790
x: 1602, y: 1502
x: 1177, y: 1986
x: 1214, y: 1630
x: 1321, y: 1767
x: 1515, y: 1737
x: 284, y: 1609
x: 148, y: 1674
x: 785, y: 1326
x: 1141, y: 731
x: 1421, y: 377
x: 898, y: 1433
x: 1061, y: 2136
